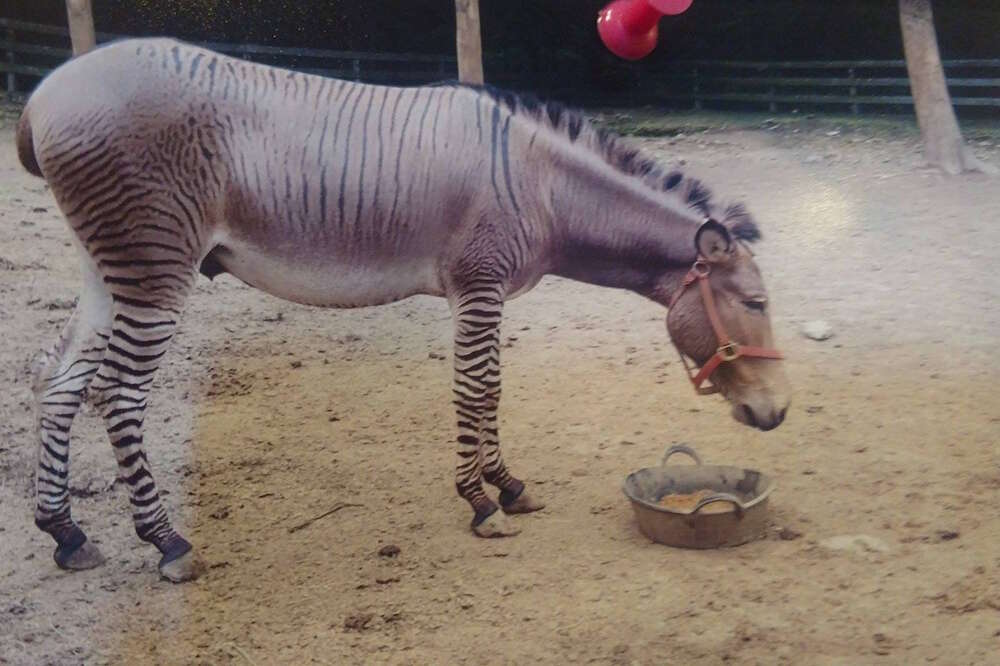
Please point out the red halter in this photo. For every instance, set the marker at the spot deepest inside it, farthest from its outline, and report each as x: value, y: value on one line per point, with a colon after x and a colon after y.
x: 727, y: 350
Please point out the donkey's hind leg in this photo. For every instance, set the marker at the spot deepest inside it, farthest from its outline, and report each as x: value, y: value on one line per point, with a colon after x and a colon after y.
x: 62, y: 376
x: 147, y: 306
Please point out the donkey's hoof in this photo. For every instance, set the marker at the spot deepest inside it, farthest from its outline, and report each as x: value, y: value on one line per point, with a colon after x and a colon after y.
x: 495, y: 525
x: 182, y: 569
x: 524, y: 503
x: 84, y: 556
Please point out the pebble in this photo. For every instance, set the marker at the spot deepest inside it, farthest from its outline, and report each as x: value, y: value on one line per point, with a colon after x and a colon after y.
x: 817, y: 330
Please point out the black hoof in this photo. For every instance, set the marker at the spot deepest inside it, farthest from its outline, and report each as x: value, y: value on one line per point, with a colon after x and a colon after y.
x: 508, y: 497
x: 174, y: 549
x: 77, y: 553
x: 483, y: 514
x: 179, y: 562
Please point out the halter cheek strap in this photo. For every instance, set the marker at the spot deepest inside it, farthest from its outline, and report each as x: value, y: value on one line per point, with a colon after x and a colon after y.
x: 727, y: 350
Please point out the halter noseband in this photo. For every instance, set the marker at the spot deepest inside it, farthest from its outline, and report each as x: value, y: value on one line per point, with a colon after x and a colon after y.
x: 728, y: 350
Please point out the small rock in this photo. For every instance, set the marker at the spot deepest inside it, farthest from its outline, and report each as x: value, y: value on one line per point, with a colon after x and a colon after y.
x: 947, y: 535
x: 358, y: 622
x: 817, y: 330
x: 814, y: 409
x: 296, y: 364
x: 788, y: 534
x: 856, y: 543
x: 220, y: 514
x: 436, y: 356
x: 813, y: 159
x: 389, y: 550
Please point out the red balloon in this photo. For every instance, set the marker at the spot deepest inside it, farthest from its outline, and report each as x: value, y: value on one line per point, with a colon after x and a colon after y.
x: 629, y: 27
x: 671, y: 7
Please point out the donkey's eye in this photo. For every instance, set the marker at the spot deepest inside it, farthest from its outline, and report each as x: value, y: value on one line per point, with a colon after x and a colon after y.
x: 756, y: 306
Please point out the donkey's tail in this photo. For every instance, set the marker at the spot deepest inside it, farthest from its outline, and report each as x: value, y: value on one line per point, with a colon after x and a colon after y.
x: 26, y: 146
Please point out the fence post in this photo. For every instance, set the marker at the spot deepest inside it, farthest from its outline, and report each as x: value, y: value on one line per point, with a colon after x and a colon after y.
x: 11, y: 77
x: 80, y: 16
x: 697, y: 89
x: 853, y: 92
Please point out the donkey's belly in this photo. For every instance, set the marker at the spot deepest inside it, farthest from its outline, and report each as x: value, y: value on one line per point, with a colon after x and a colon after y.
x: 314, y: 276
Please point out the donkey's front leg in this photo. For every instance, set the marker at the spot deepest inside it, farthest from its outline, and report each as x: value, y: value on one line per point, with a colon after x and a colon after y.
x: 513, y: 497
x: 477, y: 311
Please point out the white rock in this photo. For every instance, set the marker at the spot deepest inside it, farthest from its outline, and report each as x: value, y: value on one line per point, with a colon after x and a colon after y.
x: 856, y: 543
x: 817, y: 330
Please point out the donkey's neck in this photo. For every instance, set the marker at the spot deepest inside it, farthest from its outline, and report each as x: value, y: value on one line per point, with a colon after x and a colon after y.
x: 617, y: 231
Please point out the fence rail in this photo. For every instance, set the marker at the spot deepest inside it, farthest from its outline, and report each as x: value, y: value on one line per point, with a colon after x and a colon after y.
x: 858, y: 83
x: 32, y: 50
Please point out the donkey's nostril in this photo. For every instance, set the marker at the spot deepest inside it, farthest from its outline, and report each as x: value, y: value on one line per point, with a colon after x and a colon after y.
x: 781, y: 414
x: 751, y: 418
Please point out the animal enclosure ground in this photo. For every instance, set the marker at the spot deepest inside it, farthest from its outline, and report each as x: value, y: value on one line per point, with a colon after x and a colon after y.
x: 269, y: 414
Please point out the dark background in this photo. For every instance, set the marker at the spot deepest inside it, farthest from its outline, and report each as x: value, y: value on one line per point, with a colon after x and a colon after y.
x: 546, y: 45
x: 749, y: 29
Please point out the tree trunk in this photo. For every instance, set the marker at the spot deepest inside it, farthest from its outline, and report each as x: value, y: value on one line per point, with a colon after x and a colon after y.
x: 943, y: 144
x: 81, y: 26
x: 468, y: 38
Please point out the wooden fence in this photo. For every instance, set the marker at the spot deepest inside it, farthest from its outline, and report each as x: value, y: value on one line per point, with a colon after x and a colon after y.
x: 32, y: 50
x: 852, y: 84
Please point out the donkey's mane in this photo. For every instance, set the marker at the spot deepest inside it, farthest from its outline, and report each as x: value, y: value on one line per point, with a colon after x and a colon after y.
x: 625, y: 156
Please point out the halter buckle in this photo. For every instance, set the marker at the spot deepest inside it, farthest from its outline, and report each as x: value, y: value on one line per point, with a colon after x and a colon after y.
x: 729, y: 351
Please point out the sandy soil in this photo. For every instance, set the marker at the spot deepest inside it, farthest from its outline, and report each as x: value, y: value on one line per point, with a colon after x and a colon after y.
x: 268, y: 414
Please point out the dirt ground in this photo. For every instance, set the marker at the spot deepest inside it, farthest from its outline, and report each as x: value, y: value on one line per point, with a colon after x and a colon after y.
x: 268, y: 414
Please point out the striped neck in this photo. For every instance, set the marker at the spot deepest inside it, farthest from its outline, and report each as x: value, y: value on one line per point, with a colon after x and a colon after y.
x: 618, y: 232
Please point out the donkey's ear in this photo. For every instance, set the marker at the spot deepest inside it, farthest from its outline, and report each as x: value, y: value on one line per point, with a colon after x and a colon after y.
x: 713, y: 241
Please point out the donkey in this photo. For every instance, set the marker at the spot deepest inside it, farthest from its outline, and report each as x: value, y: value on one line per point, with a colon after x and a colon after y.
x: 167, y: 159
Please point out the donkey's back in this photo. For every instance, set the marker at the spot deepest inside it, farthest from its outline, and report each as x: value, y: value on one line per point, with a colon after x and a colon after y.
x: 317, y: 190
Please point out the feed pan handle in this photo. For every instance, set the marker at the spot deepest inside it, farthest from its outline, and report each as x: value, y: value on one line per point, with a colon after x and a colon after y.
x: 680, y: 448
x: 720, y: 497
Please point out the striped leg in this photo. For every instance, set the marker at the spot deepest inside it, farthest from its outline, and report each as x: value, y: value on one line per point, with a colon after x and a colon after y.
x: 513, y: 497
x: 140, y: 334
x: 61, y: 380
x: 477, y: 312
